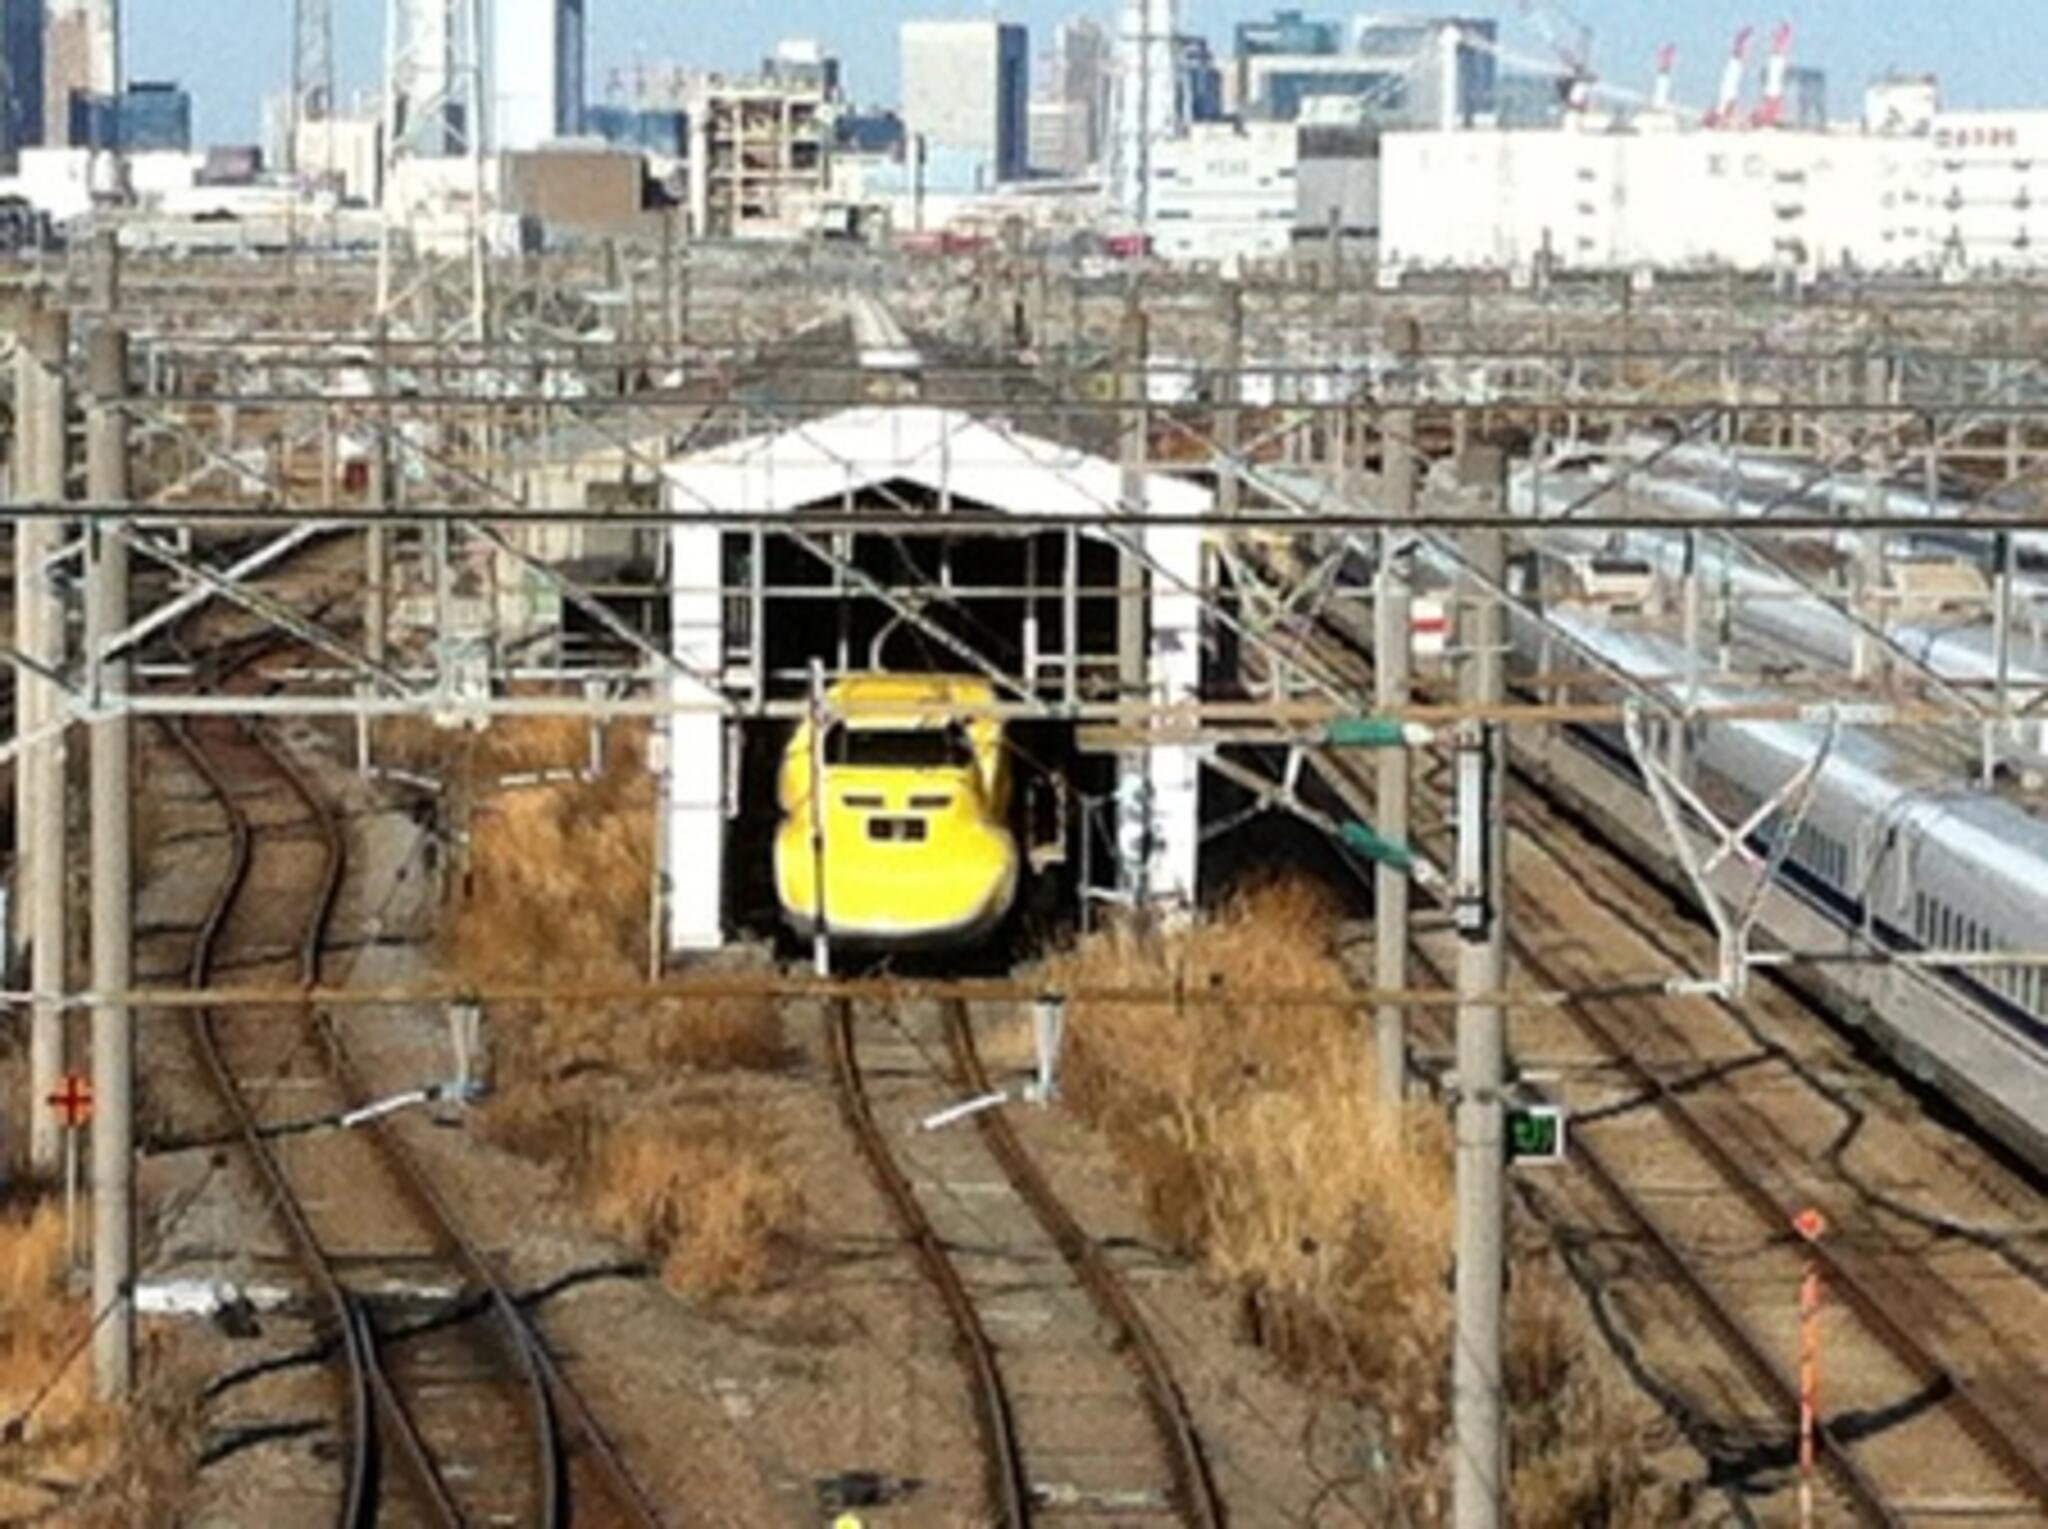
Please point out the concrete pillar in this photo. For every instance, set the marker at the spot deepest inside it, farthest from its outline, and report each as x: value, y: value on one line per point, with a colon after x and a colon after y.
x: 1479, y: 1453
x: 1132, y: 807
x: 377, y: 486
x: 1229, y: 398
x: 106, y: 270
x: 42, y: 400
x: 113, y: 1036
x: 1392, y: 668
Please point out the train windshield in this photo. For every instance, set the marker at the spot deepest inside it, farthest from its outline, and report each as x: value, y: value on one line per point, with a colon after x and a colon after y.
x: 923, y: 748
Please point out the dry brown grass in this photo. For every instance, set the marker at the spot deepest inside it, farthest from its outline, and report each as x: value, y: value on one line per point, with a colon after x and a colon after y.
x: 73, y: 1459
x: 1255, y: 1136
x: 709, y: 1198
x: 526, y: 746
x: 557, y: 890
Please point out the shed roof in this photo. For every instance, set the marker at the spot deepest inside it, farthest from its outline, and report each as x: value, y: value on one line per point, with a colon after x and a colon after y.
x: 944, y: 451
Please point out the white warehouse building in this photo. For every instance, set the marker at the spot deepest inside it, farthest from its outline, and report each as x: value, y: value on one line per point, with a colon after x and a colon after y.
x: 1970, y: 190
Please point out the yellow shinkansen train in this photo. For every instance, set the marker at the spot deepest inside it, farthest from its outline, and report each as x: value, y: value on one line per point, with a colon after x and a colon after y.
x: 914, y: 846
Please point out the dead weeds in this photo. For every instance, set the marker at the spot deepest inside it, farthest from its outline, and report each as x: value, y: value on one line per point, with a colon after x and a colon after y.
x: 557, y: 891
x: 1255, y: 1134
x: 65, y: 1456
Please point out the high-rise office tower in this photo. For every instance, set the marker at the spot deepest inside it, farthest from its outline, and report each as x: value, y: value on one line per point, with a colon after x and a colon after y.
x: 21, y: 52
x: 537, y: 72
x: 1076, y: 75
x: 81, y: 54
x: 967, y: 90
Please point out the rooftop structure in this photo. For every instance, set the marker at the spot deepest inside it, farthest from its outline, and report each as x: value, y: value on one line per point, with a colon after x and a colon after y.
x: 1411, y: 71
x: 803, y: 61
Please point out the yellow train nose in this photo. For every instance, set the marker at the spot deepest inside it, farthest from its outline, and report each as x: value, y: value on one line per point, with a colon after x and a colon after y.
x: 897, y: 879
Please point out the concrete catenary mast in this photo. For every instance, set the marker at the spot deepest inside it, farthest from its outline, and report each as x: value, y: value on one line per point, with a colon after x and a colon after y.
x: 1147, y: 98
x: 312, y: 72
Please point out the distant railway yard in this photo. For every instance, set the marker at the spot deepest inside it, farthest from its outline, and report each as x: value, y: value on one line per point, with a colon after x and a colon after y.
x: 701, y: 885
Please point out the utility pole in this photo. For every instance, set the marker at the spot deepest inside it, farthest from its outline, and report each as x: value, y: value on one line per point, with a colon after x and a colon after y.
x: 1133, y: 768
x: 1229, y: 400
x: 41, y: 401
x: 312, y: 82
x: 376, y: 491
x: 106, y: 270
x: 1392, y: 666
x: 113, y: 1034
x: 1479, y: 1453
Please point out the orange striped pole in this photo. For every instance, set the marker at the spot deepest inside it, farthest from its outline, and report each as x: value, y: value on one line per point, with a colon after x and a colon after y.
x: 1810, y: 1225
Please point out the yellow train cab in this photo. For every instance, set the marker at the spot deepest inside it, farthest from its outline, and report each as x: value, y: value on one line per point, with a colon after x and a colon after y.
x: 914, y: 843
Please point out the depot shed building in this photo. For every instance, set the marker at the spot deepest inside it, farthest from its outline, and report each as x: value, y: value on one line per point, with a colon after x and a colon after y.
x: 757, y: 599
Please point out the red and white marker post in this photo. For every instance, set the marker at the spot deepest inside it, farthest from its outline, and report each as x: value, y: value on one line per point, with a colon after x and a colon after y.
x: 71, y: 1102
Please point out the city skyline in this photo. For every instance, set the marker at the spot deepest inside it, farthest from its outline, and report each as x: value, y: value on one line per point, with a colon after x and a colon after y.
x: 1978, y: 47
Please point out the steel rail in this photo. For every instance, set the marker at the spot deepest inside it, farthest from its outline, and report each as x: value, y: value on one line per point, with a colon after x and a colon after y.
x: 2000, y: 1441
x: 547, y: 1386
x: 2015, y: 1453
x: 1200, y: 1503
x: 1009, y: 1491
x: 367, y: 1378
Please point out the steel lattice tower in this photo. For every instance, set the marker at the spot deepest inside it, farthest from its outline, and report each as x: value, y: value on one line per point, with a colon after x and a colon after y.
x: 312, y: 97
x: 435, y: 103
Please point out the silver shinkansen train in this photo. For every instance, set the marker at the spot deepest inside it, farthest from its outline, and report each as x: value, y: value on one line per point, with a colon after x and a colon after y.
x: 1895, y: 858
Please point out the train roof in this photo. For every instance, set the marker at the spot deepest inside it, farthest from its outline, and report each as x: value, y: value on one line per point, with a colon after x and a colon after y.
x: 905, y: 700
x: 2000, y: 838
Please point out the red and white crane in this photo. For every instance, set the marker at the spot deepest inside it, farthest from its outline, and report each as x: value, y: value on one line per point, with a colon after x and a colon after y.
x: 1771, y: 112
x: 1727, y: 103
x: 1667, y: 66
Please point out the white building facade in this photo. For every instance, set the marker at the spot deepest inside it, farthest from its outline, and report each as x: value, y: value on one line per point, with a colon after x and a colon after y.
x: 1225, y: 192
x: 1967, y: 194
x: 537, y: 72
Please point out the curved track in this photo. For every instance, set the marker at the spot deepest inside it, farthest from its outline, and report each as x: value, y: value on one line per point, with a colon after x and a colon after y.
x: 396, y: 1401
x: 1021, y: 1436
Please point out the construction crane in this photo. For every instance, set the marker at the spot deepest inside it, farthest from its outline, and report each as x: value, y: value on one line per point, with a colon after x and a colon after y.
x: 1727, y: 104
x: 1777, y: 76
x: 1667, y: 67
x: 1571, y: 39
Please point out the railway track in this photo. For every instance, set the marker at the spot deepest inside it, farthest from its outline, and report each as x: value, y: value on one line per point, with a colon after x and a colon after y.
x: 454, y: 1387
x: 1084, y: 1429
x: 1695, y: 1169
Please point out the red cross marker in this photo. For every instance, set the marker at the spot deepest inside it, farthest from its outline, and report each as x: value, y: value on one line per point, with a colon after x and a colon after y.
x: 72, y: 1100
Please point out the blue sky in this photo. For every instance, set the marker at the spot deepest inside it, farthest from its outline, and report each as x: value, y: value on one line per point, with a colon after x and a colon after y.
x: 1987, y: 51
